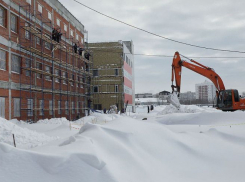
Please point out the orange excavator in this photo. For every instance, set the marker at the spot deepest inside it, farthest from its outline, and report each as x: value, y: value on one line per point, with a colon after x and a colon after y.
x: 227, y: 100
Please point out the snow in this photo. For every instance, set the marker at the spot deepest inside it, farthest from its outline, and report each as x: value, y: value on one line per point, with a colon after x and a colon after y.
x: 187, y: 145
x: 24, y: 138
x: 54, y: 121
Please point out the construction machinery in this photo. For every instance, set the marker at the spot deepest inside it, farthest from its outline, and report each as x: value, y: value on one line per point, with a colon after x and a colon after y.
x: 227, y: 100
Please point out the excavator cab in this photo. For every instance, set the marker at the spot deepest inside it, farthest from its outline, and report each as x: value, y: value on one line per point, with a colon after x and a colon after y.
x: 227, y: 100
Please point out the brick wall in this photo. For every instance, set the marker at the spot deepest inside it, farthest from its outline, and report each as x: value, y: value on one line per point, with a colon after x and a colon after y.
x: 74, y: 92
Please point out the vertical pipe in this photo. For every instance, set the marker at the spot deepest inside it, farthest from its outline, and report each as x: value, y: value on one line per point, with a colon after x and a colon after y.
x: 42, y: 48
x: 31, y: 56
x: 53, y: 70
x: 9, y: 57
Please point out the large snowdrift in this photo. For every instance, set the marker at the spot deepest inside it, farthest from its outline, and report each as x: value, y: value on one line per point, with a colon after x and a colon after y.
x: 127, y: 149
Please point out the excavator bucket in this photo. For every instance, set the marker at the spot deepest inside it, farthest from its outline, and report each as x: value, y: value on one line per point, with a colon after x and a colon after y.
x: 173, y: 99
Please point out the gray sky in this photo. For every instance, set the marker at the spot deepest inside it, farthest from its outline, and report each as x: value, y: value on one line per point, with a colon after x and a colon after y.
x: 217, y: 24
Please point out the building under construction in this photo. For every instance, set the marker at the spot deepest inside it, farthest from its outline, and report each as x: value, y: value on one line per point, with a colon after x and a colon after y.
x: 44, y: 61
x: 113, y: 75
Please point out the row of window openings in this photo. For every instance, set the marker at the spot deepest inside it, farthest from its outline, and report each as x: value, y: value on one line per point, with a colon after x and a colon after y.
x: 15, y: 67
x: 58, y: 23
x: 128, y: 61
x: 96, y: 89
x: 14, y: 22
x: 58, y: 73
x: 96, y: 72
x: 15, y: 63
x: 41, y: 107
x: 47, y: 45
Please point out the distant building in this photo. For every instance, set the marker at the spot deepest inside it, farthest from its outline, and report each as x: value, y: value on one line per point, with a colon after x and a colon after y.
x: 144, y: 95
x: 162, y: 97
x: 164, y: 93
x: 205, y: 91
x: 187, y: 97
x: 113, y: 75
x: 148, y: 101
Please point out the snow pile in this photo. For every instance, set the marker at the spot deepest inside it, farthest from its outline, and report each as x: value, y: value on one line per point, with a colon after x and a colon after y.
x: 193, y: 147
x: 15, y: 121
x: 97, y: 118
x: 183, y: 109
x: 54, y: 121
x: 126, y: 149
x: 24, y: 137
x: 218, y: 118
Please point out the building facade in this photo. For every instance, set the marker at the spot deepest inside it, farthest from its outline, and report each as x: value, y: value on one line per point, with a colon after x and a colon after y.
x: 162, y: 97
x: 164, y: 94
x: 42, y: 76
x: 113, y: 75
x: 205, y: 91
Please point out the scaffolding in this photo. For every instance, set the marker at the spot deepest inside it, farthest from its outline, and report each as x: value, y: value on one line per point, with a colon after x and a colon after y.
x: 46, y: 90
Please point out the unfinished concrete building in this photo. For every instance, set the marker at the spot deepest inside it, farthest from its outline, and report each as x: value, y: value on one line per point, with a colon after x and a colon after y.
x: 42, y: 76
x: 113, y: 75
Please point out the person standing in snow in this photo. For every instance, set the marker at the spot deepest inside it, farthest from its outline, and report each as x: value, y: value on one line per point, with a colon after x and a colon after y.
x: 122, y: 110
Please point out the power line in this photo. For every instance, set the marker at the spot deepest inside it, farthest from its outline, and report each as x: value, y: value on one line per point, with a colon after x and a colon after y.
x: 159, y: 55
x: 211, y: 57
x: 146, y: 31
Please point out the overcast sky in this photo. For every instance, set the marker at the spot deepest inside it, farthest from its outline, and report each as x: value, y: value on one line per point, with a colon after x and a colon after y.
x: 217, y: 24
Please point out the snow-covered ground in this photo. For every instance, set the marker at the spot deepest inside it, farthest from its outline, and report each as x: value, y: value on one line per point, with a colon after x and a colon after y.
x: 191, y: 144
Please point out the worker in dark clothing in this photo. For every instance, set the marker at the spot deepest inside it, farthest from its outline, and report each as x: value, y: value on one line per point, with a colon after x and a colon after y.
x: 59, y: 34
x: 148, y: 109
x: 86, y: 55
x: 152, y: 107
x: 75, y: 48
x: 86, y: 66
x: 54, y: 34
x: 80, y: 51
x: 104, y: 110
x: 122, y: 110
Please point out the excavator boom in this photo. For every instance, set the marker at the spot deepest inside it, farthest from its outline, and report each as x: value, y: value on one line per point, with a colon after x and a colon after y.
x: 198, y: 68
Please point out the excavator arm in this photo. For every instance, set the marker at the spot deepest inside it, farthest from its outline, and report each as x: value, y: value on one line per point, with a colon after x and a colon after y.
x: 227, y: 100
x: 198, y: 68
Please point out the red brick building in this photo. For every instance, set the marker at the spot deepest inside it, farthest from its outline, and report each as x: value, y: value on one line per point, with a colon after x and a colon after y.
x: 41, y: 76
